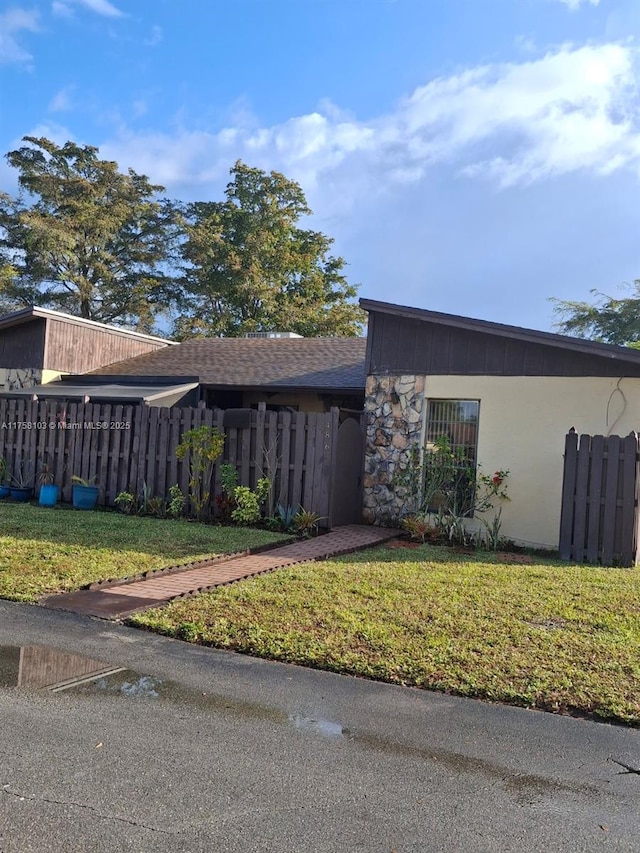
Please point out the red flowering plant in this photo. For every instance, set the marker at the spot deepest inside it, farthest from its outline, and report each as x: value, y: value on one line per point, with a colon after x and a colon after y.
x: 489, y: 488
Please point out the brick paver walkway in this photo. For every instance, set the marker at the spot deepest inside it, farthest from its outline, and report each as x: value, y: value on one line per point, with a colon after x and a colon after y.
x: 121, y: 599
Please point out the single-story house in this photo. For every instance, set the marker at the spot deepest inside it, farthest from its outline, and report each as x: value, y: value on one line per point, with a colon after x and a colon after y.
x: 505, y: 394
x: 288, y: 373
x: 37, y: 346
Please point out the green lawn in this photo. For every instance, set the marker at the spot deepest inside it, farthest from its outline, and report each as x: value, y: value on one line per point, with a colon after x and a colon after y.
x: 56, y: 550
x: 548, y: 635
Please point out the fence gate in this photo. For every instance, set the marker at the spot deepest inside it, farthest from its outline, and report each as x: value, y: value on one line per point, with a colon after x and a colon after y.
x: 599, y: 519
x: 346, y: 491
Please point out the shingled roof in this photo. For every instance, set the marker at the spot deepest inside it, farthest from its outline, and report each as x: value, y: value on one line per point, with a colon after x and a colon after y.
x: 321, y: 364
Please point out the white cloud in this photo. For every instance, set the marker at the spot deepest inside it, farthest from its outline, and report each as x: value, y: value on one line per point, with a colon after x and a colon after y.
x: 100, y: 7
x: 61, y: 9
x: 517, y: 123
x: 12, y: 22
x: 155, y: 37
x: 61, y: 101
x: 573, y: 5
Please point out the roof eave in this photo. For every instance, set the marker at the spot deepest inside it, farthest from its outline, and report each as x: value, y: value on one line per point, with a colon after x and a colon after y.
x: 26, y: 314
x: 282, y: 389
x: 610, y: 351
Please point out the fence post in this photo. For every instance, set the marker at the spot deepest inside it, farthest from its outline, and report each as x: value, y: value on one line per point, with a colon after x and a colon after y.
x: 568, y: 493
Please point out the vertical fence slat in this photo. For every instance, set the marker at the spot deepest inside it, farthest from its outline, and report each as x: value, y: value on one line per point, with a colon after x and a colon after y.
x: 320, y: 469
x: 309, y: 461
x: 580, y: 517
x: 183, y: 467
x: 285, y: 465
x: 62, y: 461
x: 173, y: 439
x: 218, y: 422
x: 610, y: 500
x: 127, y: 441
x: 102, y: 438
x: 299, y: 420
x: 245, y: 456
x: 4, y: 429
x: 629, y: 502
x: 595, y: 498
x: 114, y: 461
x: 259, y: 443
x: 271, y: 458
x: 52, y: 427
x: 163, y: 453
x: 150, y: 467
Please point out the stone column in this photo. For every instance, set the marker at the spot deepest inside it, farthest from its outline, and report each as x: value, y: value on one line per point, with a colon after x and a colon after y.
x: 394, y: 409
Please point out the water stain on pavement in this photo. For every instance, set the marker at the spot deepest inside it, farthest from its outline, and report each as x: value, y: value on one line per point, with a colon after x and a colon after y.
x: 41, y: 667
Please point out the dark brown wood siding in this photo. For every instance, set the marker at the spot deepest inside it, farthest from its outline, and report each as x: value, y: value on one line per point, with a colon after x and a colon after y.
x: 401, y: 345
x: 23, y: 345
x: 74, y: 348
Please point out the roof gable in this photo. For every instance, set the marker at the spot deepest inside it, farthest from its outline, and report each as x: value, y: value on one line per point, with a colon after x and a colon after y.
x: 415, y: 340
x: 16, y: 318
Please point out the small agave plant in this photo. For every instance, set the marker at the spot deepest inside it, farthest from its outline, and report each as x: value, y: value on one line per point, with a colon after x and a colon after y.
x: 305, y: 523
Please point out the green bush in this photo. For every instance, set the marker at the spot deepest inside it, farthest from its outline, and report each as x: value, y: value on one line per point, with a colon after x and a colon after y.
x: 249, y: 504
x: 202, y: 445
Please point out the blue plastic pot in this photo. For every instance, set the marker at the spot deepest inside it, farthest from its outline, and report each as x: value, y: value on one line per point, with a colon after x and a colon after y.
x: 85, y: 497
x: 5, y: 491
x: 49, y: 494
x: 21, y: 495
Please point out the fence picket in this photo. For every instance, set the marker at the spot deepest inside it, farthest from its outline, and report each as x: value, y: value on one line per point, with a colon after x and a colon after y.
x: 285, y: 464
x: 610, y: 499
x: 298, y: 459
x: 309, y: 462
x: 595, y: 498
x: 629, y: 499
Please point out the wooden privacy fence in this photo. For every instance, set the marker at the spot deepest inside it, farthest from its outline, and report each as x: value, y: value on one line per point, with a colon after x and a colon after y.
x: 128, y: 447
x: 599, y: 519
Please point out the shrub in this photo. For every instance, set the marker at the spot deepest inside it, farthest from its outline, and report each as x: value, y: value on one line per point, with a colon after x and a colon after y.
x: 203, y: 445
x: 248, y: 503
x: 305, y: 523
x: 419, y: 527
x: 177, y: 501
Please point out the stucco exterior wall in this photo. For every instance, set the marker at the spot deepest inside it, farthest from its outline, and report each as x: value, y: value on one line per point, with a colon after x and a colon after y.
x: 50, y: 376
x: 522, y: 426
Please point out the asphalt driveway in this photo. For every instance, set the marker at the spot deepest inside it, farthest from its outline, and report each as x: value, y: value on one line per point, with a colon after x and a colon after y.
x: 180, y: 748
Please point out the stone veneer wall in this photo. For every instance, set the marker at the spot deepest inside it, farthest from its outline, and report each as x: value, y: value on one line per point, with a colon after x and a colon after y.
x: 394, y: 409
x: 15, y: 378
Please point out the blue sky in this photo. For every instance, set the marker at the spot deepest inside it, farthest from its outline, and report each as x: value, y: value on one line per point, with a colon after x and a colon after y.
x: 469, y: 156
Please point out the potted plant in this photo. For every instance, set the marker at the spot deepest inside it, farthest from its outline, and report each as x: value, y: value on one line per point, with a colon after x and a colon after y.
x: 21, y: 483
x: 49, y: 491
x: 4, y: 489
x: 84, y: 493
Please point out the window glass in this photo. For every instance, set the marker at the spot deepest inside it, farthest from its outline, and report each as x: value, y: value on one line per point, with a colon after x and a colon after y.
x: 451, y: 443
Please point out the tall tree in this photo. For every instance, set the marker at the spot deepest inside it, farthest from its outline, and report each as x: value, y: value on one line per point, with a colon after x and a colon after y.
x: 612, y: 321
x: 251, y: 268
x: 85, y: 238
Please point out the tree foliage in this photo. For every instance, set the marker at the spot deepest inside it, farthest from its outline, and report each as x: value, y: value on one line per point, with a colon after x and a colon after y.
x: 84, y: 238
x: 251, y: 268
x: 609, y: 320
